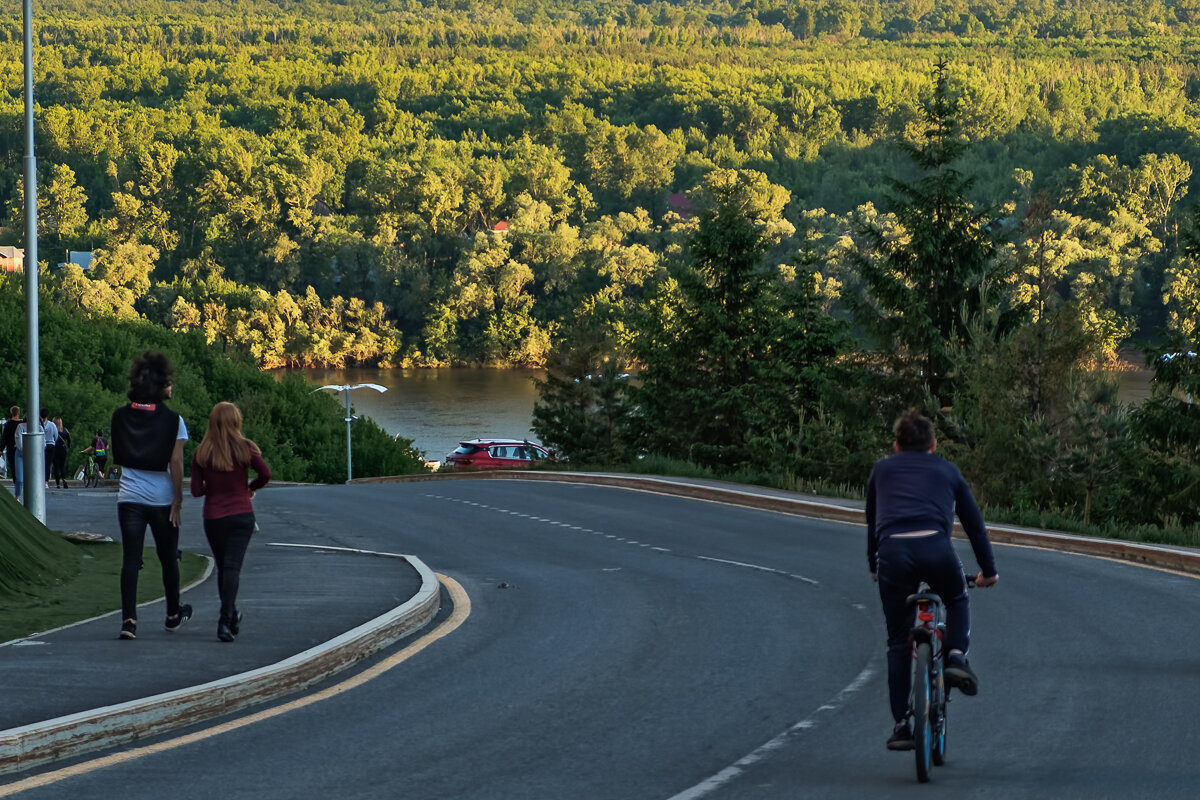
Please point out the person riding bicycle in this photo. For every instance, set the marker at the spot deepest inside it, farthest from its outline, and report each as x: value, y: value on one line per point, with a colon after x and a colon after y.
x: 99, y: 451
x: 912, y: 497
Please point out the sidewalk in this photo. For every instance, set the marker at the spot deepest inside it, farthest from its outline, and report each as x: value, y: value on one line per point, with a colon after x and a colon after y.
x: 308, y: 613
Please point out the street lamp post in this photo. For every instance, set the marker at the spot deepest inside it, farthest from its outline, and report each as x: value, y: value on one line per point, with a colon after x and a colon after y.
x: 33, y: 443
x: 346, y: 388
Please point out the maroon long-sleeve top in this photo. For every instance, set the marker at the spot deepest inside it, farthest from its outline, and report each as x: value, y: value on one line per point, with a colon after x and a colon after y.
x: 227, y: 492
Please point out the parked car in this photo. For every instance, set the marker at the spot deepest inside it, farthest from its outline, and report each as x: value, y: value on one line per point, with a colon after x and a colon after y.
x: 495, y: 454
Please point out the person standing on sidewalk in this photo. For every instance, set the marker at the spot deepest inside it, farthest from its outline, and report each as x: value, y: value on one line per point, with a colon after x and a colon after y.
x: 220, y: 474
x: 147, y: 442
x: 50, y: 434
x: 9, y: 442
x: 60, y: 454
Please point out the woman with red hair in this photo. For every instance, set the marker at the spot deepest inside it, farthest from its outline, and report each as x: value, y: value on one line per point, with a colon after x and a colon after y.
x: 220, y: 474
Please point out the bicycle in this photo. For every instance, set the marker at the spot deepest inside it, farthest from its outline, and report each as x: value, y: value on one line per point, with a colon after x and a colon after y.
x: 930, y: 692
x: 89, y: 473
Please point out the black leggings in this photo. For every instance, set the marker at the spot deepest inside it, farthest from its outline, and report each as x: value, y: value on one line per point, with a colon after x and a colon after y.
x: 60, y: 464
x: 229, y: 537
x: 133, y: 518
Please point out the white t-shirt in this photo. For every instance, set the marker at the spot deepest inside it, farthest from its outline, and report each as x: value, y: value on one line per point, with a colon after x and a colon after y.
x: 149, y: 487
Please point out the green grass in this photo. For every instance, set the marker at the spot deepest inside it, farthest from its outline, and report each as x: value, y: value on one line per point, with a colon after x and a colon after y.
x: 92, y: 590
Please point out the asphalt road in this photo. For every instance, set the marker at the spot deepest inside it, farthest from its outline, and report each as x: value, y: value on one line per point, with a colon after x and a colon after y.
x: 632, y: 646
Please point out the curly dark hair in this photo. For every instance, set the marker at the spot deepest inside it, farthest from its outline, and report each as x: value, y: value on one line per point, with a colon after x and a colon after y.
x: 914, y: 431
x: 150, y: 378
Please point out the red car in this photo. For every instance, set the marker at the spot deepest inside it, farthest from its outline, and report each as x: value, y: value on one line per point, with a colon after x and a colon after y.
x: 496, y: 454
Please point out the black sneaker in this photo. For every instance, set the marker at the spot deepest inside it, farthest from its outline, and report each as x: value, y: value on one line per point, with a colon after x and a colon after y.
x: 960, y: 675
x: 901, y: 738
x: 176, y: 622
x: 224, y: 634
x: 129, y: 629
x: 235, y: 624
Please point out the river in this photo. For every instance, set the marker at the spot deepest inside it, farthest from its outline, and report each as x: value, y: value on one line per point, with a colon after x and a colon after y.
x: 438, y: 408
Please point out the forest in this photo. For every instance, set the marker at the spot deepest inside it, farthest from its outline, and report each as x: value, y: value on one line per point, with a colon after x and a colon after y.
x: 791, y: 220
x: 427, y: 184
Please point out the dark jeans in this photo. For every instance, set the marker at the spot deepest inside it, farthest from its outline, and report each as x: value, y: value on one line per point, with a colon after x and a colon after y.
x: 48, y: 460
x: 229, y: 537
x: 133, y: 518
x: 902, y: 565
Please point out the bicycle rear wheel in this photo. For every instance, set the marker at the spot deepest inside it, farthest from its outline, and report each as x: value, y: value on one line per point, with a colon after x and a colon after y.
x: 937, y: 710
x: 922, y: 711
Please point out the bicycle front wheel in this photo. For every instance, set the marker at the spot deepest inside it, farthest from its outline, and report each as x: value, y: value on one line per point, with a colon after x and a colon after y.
x: 923, y: 711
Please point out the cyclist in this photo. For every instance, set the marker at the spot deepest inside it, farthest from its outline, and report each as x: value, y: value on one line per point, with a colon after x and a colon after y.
x: 912, y: 497
x: 99, y: 451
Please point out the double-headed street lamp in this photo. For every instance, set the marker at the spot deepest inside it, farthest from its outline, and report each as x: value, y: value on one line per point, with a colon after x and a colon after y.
x: 346, y: 388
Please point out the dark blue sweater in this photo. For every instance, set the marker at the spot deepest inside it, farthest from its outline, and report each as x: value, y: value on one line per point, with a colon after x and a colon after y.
x: 916, y: 491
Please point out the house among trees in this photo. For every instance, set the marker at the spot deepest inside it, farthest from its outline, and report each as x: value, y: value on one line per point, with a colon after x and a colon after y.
x: 12, y: 259
x: 681, y: 204
x: 80, y: 258
x: 500, y: 227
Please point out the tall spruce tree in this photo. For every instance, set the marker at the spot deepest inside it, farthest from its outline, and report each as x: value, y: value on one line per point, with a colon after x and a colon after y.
x: 735, y: 352
x: 923, y: 288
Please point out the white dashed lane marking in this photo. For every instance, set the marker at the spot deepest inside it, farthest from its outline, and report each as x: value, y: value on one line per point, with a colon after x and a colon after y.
x: 568, y: 525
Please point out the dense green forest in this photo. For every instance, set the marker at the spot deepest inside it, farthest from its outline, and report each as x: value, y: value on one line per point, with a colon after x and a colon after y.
x: 322, y: 183
x: 85, y: 366
x: 793, y: 220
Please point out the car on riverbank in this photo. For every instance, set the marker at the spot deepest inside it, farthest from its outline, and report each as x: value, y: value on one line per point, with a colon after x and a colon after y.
x: 494, y: 453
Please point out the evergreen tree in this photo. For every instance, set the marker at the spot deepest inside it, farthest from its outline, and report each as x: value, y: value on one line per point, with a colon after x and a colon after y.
x: 733, y: 354
x: 924, y: 287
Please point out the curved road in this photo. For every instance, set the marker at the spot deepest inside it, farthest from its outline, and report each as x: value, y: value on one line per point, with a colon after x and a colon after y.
x: 632, y: 646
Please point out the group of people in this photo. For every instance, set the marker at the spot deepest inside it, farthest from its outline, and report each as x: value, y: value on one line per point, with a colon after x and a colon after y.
x: 146, y: 442
x: 912, y: 499
x: 56, y: 439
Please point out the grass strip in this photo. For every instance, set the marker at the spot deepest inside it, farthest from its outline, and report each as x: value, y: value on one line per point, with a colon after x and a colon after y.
x: 92, y: 590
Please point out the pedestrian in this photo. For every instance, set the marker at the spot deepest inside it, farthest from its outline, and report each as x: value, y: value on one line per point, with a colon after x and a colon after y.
x: 19, y: 452
x: 220, y: 474
x: 60, y: 453
x: 99, y: 450
x: 147, y: 443
x: 912, y: 498
x: 8, y: 440
x: 50, y: 440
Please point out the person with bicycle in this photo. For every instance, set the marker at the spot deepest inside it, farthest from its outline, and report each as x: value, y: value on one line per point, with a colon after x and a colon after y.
x: 99, y: 450
x: 912, y: 498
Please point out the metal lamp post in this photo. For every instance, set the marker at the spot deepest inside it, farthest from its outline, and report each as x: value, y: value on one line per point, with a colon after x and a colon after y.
x: 346, y: 388
x: 32, y: 444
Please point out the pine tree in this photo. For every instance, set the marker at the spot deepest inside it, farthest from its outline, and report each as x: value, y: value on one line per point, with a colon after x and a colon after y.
x: 924, y: 288
x: 735, y: 354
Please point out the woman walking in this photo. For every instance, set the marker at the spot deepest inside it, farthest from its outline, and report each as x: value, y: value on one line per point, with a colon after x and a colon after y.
x: 147, y: 443
x: 60, y: 453
x: 220, y: 474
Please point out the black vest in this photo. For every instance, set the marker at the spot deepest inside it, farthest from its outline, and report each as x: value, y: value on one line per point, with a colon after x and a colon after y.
x: 143, y: 436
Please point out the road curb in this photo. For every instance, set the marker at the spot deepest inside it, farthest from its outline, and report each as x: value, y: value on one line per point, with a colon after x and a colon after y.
x: 1151, y: 555
x: 74, y: 734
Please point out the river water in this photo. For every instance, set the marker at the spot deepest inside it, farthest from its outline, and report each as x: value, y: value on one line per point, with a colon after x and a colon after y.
x: 438, y: 408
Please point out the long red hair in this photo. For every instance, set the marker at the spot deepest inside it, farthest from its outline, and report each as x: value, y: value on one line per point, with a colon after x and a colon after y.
x: 223, y: 445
